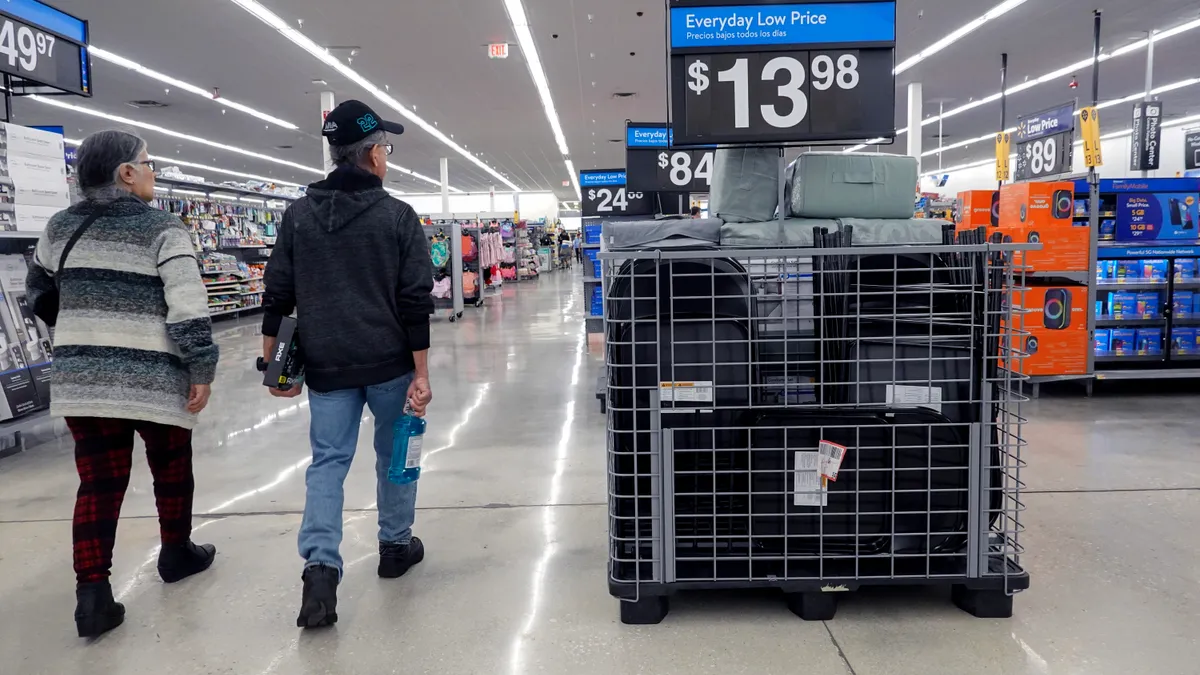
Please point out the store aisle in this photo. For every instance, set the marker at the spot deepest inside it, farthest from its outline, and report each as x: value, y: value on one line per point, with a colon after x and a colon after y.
x: 512, y: 510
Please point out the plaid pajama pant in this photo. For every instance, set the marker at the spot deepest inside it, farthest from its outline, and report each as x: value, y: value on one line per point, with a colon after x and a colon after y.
x: 104, y: 458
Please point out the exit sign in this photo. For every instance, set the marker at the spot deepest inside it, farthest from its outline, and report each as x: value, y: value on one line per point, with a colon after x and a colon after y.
x: 498, y: 50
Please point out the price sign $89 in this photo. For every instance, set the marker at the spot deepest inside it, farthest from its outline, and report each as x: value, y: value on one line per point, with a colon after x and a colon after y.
x: 825, y: 71
x: 24, y: 44
x: 612, y: 199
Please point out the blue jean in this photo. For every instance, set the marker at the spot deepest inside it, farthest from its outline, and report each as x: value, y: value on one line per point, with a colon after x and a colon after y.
x: 333, y: 432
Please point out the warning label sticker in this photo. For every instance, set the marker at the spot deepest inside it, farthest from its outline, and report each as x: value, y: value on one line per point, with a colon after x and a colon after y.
x: 686, y: 392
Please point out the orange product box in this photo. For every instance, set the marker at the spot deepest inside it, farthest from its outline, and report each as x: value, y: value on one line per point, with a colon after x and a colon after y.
x: 1056, y: 319
x: 978, y: 208
x: 1044, y: 213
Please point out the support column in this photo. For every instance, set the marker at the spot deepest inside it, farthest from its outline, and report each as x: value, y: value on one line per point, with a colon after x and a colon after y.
x: 915, y: 115
x: 445, y: 164
x: 327, y: 105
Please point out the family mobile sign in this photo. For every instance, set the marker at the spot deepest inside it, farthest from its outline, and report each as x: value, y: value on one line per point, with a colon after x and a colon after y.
x: 778, y: 72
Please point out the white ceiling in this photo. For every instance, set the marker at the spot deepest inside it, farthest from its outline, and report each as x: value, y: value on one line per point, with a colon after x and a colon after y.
x: 432, y: 56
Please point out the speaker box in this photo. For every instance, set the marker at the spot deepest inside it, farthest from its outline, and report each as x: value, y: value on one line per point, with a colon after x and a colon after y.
x: 1031, y: 345
x: 1064, y: 201
x: 995, y: 209
x: 1056, y: 313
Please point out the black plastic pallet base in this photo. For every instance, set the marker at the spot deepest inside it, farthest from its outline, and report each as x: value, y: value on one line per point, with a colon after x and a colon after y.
x: 646, y: 611
x: 813, y: 606
x: 982, y: 604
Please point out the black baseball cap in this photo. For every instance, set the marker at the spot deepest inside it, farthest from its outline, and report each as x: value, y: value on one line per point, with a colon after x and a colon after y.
x: 353, y: 121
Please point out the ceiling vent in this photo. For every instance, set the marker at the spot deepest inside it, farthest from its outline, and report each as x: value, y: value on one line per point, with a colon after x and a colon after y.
x: 616, y: 140
x: 145, y: 103
x: 624, y: 94
x: 284, y: 147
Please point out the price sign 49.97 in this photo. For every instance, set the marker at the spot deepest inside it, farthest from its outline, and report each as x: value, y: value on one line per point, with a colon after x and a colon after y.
x: 783, y: 96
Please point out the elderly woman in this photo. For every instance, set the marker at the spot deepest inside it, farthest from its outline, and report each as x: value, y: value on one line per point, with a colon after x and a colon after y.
x: 133, y: 352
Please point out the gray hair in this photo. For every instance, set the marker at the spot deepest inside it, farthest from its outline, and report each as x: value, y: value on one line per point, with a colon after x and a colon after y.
x: 355, y: 153
x: 100, y: 158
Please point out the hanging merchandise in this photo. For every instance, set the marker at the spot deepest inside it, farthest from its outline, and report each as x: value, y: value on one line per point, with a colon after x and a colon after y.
x: 439, y: 250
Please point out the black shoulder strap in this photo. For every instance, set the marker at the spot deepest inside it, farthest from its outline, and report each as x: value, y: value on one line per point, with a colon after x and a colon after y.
x: 75, y: 237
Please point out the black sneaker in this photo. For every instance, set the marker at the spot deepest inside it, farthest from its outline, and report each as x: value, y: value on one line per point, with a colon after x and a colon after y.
x: 96, y: 612
x: 319, y: 604
x: 396, y: 559
x: 180, y: 561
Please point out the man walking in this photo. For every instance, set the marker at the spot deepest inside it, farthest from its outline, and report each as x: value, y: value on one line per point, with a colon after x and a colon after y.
x: 352, y: 261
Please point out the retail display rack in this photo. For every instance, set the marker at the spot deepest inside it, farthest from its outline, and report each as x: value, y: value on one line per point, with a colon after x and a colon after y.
x: 233, y: 230
x: 467, y: 251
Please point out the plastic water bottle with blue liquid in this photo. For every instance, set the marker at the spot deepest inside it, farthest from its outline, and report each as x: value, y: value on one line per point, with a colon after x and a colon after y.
x: 409, y: 437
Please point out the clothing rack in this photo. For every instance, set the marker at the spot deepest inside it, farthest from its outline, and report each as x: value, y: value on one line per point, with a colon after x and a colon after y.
x: 451, y: 269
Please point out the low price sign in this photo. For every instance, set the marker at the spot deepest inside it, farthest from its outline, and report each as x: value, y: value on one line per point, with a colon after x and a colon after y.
x: 781, y: 73
x: 652, y: 164
x: 605, y: 195
x: 1046, y: 143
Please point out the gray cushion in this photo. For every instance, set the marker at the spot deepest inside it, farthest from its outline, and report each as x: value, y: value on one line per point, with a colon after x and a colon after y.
x: 901, y: 231
x: 854, y: 185
x: 793, y: 232
x: 664, y: 233
x: 745, y: 184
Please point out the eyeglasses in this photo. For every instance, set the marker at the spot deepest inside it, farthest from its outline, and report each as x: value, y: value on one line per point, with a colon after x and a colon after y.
x: 149, y: 163
x: 388, y: 147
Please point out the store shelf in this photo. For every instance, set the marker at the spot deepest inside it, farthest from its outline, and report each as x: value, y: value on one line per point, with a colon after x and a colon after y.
x: 233, y: 310
x: 1151, y: 286
x: 252, y: 292
x: 223, y: 304
x: 588, y: 280
x: 1132, y: 321
x: 234, y: 272
x: 1106, y: 214
x: 1187, y: 285
x: 591, y: 246
x: 1131, y: 359
x: 6, y: 234
x: 1149, y: 374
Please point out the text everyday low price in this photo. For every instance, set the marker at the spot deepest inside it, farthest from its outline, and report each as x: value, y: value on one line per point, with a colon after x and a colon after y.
x: 757, y: 20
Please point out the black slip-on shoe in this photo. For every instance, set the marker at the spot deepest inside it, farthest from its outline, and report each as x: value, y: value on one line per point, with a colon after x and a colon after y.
x: 319, y: 605
x: 180, y: 561
x: 396, y: 559
x: 96, y: 612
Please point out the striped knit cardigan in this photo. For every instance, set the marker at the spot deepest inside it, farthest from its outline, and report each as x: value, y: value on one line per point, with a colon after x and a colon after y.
x: 133, y: 327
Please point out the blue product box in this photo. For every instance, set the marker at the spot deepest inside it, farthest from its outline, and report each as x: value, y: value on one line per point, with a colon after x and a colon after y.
x: 1149, y: 341
x: 591, y: 234
x: 1195, y: 304
x: 1122, y: 341
x: 1183, y: 341
x: 1181, y: 304
x: 1103, y: 342
x: 1185, y: 269
x: 1082, y: 207
x: 1099, y: 308
x: 1108, y: 229
x: 1154, y: 270
x: 1122, y: 305
x: 1106, y: 271
x: 1148, y: 305
x: 1128, y: 270
x: 593, y: 255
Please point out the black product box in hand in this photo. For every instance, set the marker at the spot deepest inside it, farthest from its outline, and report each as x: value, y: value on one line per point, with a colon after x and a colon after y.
x: 285, y: 369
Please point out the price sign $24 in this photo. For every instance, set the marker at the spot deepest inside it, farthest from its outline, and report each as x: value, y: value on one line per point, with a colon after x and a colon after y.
x: 612, y: 199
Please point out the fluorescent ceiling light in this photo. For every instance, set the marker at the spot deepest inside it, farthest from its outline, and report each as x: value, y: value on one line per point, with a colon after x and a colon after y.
x: 958, y: 34
x: 167, y: 161
x: 105, y: 55
x: 202, y: 141
x: 520, y: 24
x: 301, y: 40
x: 1049, y: 77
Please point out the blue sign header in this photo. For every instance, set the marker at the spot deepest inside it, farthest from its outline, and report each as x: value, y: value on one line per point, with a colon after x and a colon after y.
x: 40, y: 14
x: 1046, y: 123
x: 1110, y: 252
x: 800, y: 24
x: 648, y: 137
x: 601, y: 178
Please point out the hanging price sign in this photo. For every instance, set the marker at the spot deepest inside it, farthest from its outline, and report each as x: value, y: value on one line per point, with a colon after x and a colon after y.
x: 653, y: 164
x: 1046, y: 143
x: 782, y: 73
x: 606, y: 195
x: 42, y: 46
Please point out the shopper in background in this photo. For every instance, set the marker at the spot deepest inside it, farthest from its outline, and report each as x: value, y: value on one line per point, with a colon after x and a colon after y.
x: 577, y: 243
x: 133, y: 352
x: 696, y: 212
x: 354, y: 264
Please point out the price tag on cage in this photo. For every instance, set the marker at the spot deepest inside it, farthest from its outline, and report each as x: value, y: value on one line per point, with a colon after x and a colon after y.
x: 809, y: 487
x: 831, y: 456
x: 782, y: 73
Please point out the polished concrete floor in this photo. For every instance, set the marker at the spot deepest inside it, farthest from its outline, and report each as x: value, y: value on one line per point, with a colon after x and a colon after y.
x: 512, y: 510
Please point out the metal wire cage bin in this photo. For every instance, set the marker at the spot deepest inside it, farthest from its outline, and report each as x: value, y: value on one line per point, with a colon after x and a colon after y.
x: 814, y: 419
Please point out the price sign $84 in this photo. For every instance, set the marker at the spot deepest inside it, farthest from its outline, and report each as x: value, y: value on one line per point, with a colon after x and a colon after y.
x: 610, y: 199
x: 826, y: 72
x: 679, y: 165
x: 23, y: 44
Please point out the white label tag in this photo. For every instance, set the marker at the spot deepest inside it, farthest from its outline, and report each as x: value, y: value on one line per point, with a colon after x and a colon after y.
x: 686, y: 392
x: 900, y: 396
x: 831, y: 455
x: 809, y: 487
x: 415, y: 445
